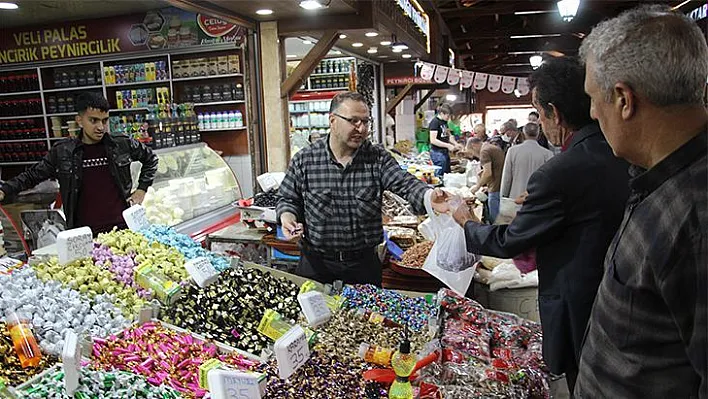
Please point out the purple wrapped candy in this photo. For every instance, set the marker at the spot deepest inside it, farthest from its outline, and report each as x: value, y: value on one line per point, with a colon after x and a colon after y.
x: 121, y: 265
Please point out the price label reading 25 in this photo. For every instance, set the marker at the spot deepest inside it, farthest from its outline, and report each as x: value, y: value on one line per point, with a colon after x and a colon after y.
x: 291, y: 351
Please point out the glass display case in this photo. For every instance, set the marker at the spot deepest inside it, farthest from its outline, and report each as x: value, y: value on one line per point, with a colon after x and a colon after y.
x: 192, y: 182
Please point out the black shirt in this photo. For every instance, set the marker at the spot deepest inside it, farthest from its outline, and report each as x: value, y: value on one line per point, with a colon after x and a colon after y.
x: 442, y: 132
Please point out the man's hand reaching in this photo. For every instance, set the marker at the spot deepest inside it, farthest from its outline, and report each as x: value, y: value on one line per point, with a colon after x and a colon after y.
x: 439, y: 201
x: 291, y: 228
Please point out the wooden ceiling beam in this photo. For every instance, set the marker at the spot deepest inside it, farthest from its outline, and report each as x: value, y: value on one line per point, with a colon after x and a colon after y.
x: 308, y: 64
x: 500, y: 8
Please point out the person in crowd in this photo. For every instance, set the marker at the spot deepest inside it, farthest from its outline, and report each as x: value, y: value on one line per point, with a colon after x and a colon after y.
x: 480, y: 132
x: 541, y: 139
x: 505, y: 138
x: 573, y: 208
x: 441, y: 140
x: 93, y: 170
x: 521, y: 161
x: 533, y: 117
x: 331, y: 197
x: 491, y: 158
x: 646, y: 74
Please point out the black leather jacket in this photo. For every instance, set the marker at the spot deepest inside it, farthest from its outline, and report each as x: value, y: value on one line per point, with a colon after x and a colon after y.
x: 64, y: 163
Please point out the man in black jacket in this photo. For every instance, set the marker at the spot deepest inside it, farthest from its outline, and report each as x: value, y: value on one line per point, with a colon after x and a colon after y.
x: 573, y: 209
x: 93, y: 170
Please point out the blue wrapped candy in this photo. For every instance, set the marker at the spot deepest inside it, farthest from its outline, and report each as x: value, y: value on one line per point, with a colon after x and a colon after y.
x: 183, y: 243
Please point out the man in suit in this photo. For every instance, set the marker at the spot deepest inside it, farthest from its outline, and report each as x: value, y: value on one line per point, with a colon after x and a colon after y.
x: 573, y: 209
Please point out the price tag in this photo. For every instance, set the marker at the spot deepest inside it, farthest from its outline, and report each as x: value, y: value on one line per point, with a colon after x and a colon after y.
x: 74, y: 244
x: 314, y: 306
x: 202, y: 271
x: 71, y: 362
x: 136, y: 218
x: 291, y: 351
x: 229, y: 384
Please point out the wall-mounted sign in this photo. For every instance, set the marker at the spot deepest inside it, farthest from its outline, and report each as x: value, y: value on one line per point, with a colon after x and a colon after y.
x: 404, y: 80
x: 415, y: 13
x: 154, y: 30
x: 699, y: 13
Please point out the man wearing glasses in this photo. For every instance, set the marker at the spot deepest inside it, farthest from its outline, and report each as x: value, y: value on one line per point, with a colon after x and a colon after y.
x: 332, y: 197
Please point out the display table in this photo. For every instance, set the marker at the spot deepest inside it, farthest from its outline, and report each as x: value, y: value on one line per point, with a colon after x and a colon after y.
x: 241, y: 241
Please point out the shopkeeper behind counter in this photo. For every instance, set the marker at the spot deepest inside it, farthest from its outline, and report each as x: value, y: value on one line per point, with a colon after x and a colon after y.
x: 93, y: 170
x: 332, y: 195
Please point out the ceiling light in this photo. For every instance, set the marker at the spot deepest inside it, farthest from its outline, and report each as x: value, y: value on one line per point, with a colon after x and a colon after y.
x: 536, y: 61
x: 372, y: 50
x: 357, y: 44
x: 400, y: 46
x: 533, y: 12
x: 383, y: 56
x: 342, y: 36
x: 534, y: 36
x: 567, y: 9
x: 8, y: 6
x: 406, y: 56
x: 291, y: 56
x: 335, y: 52
x: 397, y: 50
x: 307, y: 42
x: 371, y: 34
x: 310, y: 4
x: 451, y: 97
x: 386, y: 43
x: 517, y: 93
x: 264, y: 11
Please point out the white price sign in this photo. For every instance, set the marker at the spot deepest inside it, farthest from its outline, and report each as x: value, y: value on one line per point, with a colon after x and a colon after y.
x: 71, y: 362
x: 291, y: 351
x: 136, y: 218
x: 202, y: 271
x: 74, y: 244
x: 229, y: 384
x: 314, y: 306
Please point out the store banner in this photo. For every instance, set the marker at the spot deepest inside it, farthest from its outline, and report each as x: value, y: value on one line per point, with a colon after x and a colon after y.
x: 508, y: 84
x: 427, y: 70
x: 155, y: 30
x: 453, y: 77
x: 523, y: 86
x: 480, y: 80
x: 466, y: 79
x: 494, y: 83
x: 441, y: 74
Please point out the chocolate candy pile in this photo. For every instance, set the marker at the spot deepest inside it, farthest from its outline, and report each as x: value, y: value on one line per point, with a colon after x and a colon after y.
x: 323, y: 376
x: 229, y: 311
x: 162, y: 355
x: 406, y: 311
x: 10, y: 368
x: 184, y: 244
x: 268, y: 199
x: 98, y: 384
x: 54, y: 310
x: 346, y: 331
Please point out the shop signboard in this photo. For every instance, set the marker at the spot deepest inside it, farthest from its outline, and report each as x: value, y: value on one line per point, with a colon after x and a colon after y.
x: 419, y: 18
x: 699, y: 13
x: 166, y: 28
x: 404, y: 80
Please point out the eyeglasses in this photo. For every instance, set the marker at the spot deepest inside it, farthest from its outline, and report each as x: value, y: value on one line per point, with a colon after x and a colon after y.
x: 356, y: 121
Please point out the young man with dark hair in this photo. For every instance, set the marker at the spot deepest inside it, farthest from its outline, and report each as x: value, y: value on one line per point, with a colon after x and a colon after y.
x: 332, y: 193
x: 93, y: 170
x: 573, y: 209
x: 441, y: 140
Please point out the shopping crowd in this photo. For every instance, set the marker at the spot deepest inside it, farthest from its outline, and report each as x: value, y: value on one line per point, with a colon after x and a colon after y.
x: 618, y: 221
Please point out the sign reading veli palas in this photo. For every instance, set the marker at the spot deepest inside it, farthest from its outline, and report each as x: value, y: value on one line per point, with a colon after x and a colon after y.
x: 508, y: 84
x: 453, y: 77
x: 441, y: 74
x: 494, y: 83
x: 466, y: 79
x: 427, y: 71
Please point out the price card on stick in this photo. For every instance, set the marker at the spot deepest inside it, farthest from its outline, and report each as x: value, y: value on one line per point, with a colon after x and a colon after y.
x: 202, y: 271
x: 71, y: 362
x: 136, y: 218
x: 291, y: 351
x: 314, y: 306
x: 74, y: 244
x: 230, y: 384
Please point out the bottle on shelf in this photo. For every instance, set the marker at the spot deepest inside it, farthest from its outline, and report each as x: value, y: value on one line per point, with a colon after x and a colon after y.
x: 23, y: 340
x: 238, y: 118
x: 376, y: 354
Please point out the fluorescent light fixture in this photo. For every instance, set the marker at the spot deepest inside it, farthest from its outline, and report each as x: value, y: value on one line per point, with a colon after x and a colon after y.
x: 567, y: 9
x: 371, y: 34
x: 406, y: 56
x: 307, y: 42
x: 372, y: 50
x: 534, y: 36
x: 533, y: 12
x: 342, y: 36
x: 386, y: 43
x: 680, y: 5
x: 517, y: 93
x: 397, y: 50
x: 536, y: 61
x: 291, y: 56
x: 265, y: 11
x: 357, y: 44
x: 451, y: 97
x: 400, y: 46
x: 335, y: 52
x: 310, y: 4
x: 5, y: 5
x: 383, y: 56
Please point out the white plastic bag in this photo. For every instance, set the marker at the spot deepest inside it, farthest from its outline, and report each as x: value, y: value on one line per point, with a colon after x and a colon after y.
x: 450, y: 249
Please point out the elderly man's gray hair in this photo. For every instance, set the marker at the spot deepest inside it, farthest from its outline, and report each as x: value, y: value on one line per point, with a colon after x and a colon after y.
x: 531, y: 129
x: 506, y: 126
x: 659, y: 53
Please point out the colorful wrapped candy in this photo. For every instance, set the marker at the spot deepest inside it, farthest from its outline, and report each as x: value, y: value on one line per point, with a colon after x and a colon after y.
x: 188, y: 247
